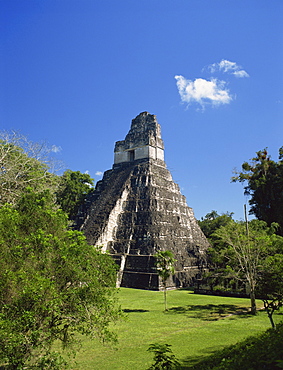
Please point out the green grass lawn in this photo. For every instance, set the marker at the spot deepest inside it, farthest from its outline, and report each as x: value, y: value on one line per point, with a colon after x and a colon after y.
x: 195, y: 325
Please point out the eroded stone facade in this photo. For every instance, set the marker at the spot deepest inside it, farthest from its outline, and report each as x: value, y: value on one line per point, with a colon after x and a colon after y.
x: 137, y: 210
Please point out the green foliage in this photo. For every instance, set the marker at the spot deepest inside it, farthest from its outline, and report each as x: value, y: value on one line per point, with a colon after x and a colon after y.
x: 270, y: 287
x: 264, y: 351
x: 52, y: 284
x: 245, y: 250
x: 163, y: 357
x: 164, y: 263
x: 73, y: 188
x: 213, y: 221
x: 216, y: 278
x: 264, y: 179
x: 23, y: 164
x: 165, y: 268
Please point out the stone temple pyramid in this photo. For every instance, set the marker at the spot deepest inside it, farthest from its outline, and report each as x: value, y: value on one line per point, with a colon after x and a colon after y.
x: 137, y: 210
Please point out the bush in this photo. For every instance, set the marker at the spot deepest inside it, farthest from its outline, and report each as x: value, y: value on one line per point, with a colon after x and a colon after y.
x: 163, y: 357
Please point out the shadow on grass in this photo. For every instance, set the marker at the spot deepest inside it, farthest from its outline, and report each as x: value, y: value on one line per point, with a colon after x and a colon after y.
x: 189, y: 361
x: 210, y: 312
x: 134, y: 310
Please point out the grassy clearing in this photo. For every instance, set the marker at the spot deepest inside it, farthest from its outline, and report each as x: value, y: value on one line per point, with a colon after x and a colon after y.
x: 195, y: 325
x: 262, y: 351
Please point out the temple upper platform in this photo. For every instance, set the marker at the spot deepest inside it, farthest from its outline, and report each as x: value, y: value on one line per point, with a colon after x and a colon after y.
x: 143, y: 141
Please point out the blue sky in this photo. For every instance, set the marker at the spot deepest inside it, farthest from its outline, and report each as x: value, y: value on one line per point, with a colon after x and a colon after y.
x: 75, y: 73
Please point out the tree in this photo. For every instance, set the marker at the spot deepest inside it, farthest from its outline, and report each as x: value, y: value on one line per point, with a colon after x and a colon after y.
x: 246, y: 251
x: 165, y: 268
x: 52, y: 284
x: 270, y: 285
x: 217, y: 259
x: 264, y: 179
x: 163, y: 357
x: 213, y: 221
x: 24, y: 164
x: 73, y: 188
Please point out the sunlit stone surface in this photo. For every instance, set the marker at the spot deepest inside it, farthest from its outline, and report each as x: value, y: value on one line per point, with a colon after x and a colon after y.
x: 137, y: 210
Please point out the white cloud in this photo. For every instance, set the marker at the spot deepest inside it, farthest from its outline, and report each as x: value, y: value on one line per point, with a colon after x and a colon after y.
x: 241, y: 73
x: 56, y: 149
x: 226, y: 66
x: 98, y: 173
x: 203, y: 91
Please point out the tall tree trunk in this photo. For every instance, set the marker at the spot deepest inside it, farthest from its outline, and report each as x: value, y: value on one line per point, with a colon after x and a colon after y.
x: 253, y: 302
x: 165, y: 296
